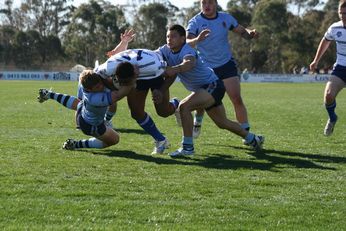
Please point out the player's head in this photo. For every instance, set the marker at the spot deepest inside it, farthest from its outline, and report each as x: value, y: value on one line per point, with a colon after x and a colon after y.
x: 176, y: 37
x: 342, y: 11
x: 91, y: 81
x: 126, y: 73
x: 209, y: 7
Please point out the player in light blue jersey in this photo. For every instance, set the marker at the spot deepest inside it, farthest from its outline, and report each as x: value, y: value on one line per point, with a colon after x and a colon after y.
x: 92, y: 108
x: 208, y: 32
x: 337, y: 81
x: 206, y: 89
x: 151, y: 68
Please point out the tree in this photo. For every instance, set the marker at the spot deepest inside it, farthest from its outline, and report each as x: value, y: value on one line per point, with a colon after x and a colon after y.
x: 95, y: 28
x: 150, y: 25
x: 270, y: 19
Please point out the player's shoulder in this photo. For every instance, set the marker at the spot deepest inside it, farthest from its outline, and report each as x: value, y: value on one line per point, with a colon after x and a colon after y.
x: 337, y: 25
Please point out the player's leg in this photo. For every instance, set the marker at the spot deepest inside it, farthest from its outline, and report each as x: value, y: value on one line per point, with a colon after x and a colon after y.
x: 166, y: 107
x: 197, y: 123
x: 199, y: 99
x: 233, y: 90
x: 218, y: 115
x: 333, y: 87
x: 136, y: 102
x: 102, y: 136
x: 67, y: 101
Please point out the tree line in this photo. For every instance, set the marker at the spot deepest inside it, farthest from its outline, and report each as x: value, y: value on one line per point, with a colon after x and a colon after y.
x: 54, y: 34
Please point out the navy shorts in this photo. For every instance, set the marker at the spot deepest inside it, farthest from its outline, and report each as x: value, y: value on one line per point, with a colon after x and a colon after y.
x: 156, y: 83
x: 228, y: 70
x: 340, y: 71
x: 88, y: 129
x: 217, y: 90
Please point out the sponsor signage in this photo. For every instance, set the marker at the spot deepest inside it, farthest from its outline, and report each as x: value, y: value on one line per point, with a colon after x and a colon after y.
x: 27, y: 75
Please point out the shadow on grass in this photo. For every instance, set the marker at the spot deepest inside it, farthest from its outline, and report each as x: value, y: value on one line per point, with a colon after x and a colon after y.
x: 127, y: 130
x: 285, y: 158
x: 225, y: 161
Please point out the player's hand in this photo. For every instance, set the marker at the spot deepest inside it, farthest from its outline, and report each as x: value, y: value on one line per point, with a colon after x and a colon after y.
x: 157, y: 96
x: 128, y: 35
x: 313, y: 66
x: 253, y: 34
x: 203, y: 35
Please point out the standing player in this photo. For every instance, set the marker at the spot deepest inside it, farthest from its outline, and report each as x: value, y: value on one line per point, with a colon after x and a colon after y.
x: 337, y: 80
x: 92, y: 109
x: 206, y: 89
x: 151, y: 68
x: 208, y: 32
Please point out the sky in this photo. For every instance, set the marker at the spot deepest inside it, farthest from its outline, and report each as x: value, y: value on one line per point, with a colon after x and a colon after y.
x: 178, y: 3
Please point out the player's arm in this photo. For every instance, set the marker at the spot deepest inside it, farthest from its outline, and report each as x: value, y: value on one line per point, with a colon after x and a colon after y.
x: 322, y: 47
x: 126, y: 37
x: 188, y: 63
x: 192, y: 40
x: 123, y: 91
x: 245, y: 32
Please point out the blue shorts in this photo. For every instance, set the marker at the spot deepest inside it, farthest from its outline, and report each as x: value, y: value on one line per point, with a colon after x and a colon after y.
x: 228, y: 70
x: 217, y: 90
x: 144, y: 85
x: 340, y: 71
x: 88, y: 129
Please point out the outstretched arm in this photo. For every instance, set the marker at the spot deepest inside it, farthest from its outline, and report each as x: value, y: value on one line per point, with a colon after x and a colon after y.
x: 193, y: 40
x: 188, y: 63
x: 322, y: 47
x: 126, y: 37
x: 245, y: 32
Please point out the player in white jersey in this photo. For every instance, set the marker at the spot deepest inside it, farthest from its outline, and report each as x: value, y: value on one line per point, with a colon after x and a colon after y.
x: 208, y: 32
x: 150, y: 67
x: 206, y: 89
x: 337, y: 81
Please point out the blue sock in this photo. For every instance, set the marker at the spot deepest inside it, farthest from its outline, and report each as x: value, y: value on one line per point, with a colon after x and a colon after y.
x: 174, y: 102
x: 187, y: 143
x: 90, y: 143
x: 149, y: 126
x: 331, y: 111
x: 63, y: 99
x: 249, y: 137
x: 245, y: 126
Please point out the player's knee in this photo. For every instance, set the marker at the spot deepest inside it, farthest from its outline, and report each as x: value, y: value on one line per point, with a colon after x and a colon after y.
x: 329, y: 98
x: 114, y: 141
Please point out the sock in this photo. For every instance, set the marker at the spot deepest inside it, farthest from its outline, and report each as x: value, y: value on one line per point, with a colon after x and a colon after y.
x: 245, y: 126
x: 187, y: 143
x: 249, y: 137
x: 109, y: 115
x: 90, y: 143
x: 331, y: 111
x: 63, y: 99
x: 198, y: 119
x: 149, y: 126
x: 174, y: 102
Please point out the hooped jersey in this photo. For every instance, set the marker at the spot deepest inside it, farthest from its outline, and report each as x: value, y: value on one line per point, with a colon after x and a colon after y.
x: 337, y: 32
x: 150, y: 63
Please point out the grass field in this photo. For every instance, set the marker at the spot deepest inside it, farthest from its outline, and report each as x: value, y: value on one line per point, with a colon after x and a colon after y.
x: 298, y: 182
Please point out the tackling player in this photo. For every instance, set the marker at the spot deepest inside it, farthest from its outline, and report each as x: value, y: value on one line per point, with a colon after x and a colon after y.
x: 92, y: 109
x: 206, y: 89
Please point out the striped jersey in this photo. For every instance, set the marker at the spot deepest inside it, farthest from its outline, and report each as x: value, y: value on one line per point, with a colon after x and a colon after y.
x: 337, y: 32
x: 150, y: 63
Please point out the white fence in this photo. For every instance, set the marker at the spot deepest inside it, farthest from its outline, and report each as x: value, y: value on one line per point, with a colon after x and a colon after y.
x: 284, y: 78
x: 35, y: 75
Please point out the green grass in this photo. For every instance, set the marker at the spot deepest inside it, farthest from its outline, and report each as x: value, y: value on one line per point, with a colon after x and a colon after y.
x: 297, y: 183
